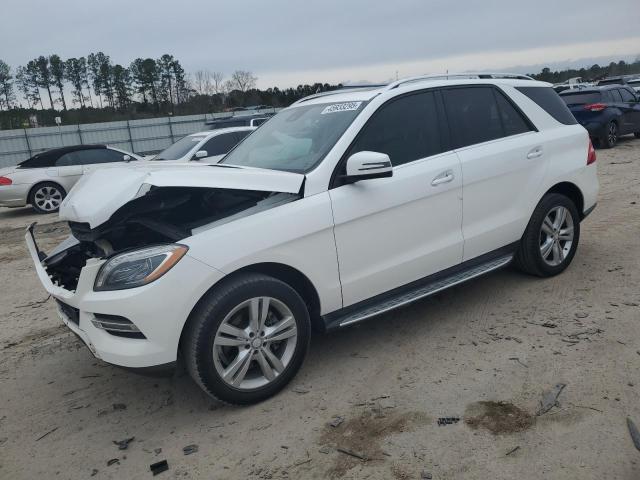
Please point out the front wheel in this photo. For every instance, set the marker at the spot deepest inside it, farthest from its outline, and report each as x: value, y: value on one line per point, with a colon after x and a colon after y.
x: 247, y: 339
x: 551, y: 238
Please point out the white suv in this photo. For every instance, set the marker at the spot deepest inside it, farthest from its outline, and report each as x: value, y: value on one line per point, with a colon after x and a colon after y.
x: 344, y: 205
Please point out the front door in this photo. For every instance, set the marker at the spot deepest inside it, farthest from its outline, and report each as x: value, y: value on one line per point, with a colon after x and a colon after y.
x: 392, y: 231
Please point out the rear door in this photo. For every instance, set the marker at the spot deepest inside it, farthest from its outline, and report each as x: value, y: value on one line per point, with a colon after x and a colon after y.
x: 392, y: 231
x: 503, y: 164
x: 631, y: 110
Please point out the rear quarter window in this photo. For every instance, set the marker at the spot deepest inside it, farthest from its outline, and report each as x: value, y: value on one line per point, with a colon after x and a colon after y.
x: 547, y: 99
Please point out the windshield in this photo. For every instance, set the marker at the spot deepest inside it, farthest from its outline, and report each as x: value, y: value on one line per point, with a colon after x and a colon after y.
x: 296, y: 139
x: 581, y: 98
x: 179, y: 149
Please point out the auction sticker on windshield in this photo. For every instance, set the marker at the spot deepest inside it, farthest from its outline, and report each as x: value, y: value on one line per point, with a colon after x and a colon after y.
x: 341, y: 107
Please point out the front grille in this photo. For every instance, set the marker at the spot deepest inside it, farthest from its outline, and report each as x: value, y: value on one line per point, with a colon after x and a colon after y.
x: 72, y: 313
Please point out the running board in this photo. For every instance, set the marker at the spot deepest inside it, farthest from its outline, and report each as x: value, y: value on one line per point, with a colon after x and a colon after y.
x: 424, y: 290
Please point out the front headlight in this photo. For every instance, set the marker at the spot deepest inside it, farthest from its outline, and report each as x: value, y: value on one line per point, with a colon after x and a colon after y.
x: 137, y: 268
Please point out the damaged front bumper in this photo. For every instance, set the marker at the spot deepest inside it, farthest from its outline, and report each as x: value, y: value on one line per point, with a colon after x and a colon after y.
x: 158, y: 310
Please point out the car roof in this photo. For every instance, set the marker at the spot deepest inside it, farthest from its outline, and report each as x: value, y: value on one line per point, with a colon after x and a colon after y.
x: 597, y: 88
x: 366, y: 93
x: 58, y: 152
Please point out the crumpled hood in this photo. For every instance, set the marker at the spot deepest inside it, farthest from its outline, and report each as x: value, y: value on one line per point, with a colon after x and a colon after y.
x: 98, y: 195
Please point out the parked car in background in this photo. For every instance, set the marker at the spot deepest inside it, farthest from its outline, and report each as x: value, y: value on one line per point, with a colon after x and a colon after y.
x: 249, y: 120
x: 44, y: 180
x: 635, y: 84
x: 343, y: 206
x: 607, y: 112
x: 208, y: 147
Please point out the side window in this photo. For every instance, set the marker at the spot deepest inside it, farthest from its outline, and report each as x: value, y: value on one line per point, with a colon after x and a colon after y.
x: 473, y: 115
x: 550, y: 102
x: 627, y: 96
x: 617, y: 98
x: 512, y: 120
x: 99, y: 155
x: 68, y: 160
x: 220, y: 144
x: 406, y: 129
x: 240, y: 136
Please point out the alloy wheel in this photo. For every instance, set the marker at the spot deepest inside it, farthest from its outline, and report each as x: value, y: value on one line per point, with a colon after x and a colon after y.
x: 254, y: 343
x: 556, y: 236
x: 48, y: 198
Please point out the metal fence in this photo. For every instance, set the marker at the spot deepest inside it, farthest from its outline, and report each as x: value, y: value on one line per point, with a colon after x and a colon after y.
x: 143, y: 137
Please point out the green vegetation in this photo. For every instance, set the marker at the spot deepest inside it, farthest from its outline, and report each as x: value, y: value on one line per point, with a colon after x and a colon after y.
x: 94, y: 89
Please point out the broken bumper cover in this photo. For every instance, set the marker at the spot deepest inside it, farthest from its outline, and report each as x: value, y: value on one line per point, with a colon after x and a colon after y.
x: 158, y: 309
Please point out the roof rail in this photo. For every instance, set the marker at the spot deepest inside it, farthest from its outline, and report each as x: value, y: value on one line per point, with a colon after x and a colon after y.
x: 447, y: 76
x: 346, y: 88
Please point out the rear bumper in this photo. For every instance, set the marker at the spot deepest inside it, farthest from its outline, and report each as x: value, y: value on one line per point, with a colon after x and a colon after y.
x: 14, y: 195
x: 158, y: 309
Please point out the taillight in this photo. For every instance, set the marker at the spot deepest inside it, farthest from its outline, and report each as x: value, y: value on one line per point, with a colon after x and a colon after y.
x: 591, y: 155
x: 596, y: 107
x: 5, y: 181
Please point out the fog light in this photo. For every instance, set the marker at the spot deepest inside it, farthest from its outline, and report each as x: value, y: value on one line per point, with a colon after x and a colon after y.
x: 116, y: 325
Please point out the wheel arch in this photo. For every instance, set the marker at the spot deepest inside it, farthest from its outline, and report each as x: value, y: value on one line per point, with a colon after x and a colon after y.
x: 572, y: 191
x: 285, y: 273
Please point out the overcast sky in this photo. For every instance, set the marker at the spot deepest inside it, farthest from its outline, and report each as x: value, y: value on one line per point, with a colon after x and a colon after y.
x: 287, y: 42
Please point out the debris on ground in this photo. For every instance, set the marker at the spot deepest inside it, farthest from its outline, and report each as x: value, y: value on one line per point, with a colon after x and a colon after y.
x: 325, y: 449
x: 159, y: 467
x: 157, y: 451
x: 633, y: 431
x: 513, y: 450
x: 94, y: 472
x: 42, y: 436
x: 550, y: 399
x: 497, y: 417
x: 336, y: 421
x: 351, y: 453
x: 119, y: 406
x: 189, y: 449
x: 447, y: 421
x: 424, y: 475
x: 113, y: 461
x: 518, y: 360
x: 123, y: 444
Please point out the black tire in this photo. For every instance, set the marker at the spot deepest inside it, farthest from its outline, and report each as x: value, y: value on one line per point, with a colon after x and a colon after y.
x: 636, y: 134
x: 529, y: 257
x: 610, y: 138
x: 44, y: 207
x: 205, y: 320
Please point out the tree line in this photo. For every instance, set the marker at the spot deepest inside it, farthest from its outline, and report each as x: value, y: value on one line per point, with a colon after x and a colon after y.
x: 590, y: 74
x: 95, y: 89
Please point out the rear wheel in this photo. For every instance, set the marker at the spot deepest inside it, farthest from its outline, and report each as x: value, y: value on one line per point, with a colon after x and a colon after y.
x: 46, y: 197
x: 611, y: 136
x: 636, y: 134
x: 247, y: 339
x: 551, y: 238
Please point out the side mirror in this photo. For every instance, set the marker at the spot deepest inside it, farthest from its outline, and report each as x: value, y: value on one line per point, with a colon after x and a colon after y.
x: 367, y: 165
x: 127, y: 158
x: 200, y: 154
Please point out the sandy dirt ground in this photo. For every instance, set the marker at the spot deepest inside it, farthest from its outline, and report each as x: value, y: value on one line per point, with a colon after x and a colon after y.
x: 368, y: 400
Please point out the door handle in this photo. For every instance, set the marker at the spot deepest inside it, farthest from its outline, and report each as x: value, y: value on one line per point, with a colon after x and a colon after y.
x: 535, y: 153
x: 444, y: 177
